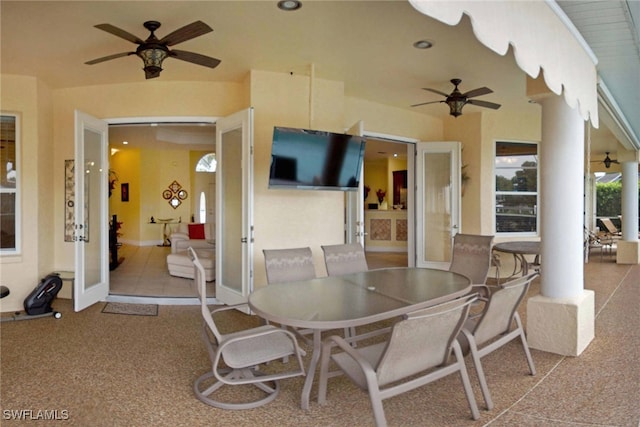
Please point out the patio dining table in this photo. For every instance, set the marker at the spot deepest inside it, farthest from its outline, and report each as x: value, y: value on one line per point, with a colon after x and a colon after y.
x: 352, y: 300
x: 519, y: 249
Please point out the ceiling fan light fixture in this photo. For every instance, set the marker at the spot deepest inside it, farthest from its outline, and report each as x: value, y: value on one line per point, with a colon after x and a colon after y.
x: 607, y: 162
x: 152, y: 59
x: 455, y: 106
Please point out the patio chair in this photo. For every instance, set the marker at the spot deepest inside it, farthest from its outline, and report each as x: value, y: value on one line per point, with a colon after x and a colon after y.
x: 344, y: 259
x: 416, y: 354
x: 241, y: 352
x: 493, y: 327
x: 593, y: 241
x: 472, y: 257
x: 289, y: 265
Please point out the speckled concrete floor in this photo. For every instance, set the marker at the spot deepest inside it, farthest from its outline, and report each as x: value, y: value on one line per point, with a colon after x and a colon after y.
x: 98, y: 369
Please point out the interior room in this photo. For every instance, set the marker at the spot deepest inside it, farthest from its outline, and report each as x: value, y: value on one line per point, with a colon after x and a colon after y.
x: 142, y: 155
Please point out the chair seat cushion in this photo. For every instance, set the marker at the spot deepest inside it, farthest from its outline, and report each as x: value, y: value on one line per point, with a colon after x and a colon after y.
x: 350, y: 367
x: 256, y: 350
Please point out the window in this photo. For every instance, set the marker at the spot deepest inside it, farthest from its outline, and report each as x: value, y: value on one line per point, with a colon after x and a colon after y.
x: 516, y: 173
x: 9, y: 185
x: 207, y: 163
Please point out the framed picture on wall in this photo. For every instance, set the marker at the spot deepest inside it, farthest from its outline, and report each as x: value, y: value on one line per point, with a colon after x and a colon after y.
x: 124, y: 191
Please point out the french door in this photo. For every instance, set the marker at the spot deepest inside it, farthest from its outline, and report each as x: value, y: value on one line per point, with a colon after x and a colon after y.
x: 437, y: 202
x: 234, y: 207
x: 91, y: 211
x: 354, y: 202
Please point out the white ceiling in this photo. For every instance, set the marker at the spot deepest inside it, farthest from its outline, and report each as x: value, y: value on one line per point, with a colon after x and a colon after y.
x: 368, y: 45
x: 612, y: 30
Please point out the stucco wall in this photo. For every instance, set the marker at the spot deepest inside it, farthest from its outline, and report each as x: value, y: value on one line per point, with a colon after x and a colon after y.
x: 21, y: 273
x: 282, y: 218
x: 478, y: 132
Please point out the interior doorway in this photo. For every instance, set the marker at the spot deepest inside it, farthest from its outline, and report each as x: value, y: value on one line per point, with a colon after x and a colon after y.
x: 388, y: 205
x: 148, y: 157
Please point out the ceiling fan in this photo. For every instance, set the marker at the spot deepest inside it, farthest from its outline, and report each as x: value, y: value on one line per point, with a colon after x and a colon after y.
x: 607, y: 161
x: 456, y: 100
x: 153, y: 51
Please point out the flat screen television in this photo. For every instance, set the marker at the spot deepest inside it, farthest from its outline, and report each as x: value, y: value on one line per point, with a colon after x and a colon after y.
x: 315, y: 160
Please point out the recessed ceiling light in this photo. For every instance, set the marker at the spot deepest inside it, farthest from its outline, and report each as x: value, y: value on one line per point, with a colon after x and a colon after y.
x: 289, y: 5
x: 423, y: 44
x: 125, y: 142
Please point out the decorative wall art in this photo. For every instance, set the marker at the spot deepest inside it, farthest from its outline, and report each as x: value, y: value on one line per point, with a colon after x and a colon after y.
x: 174, y: 194
x: 124, y: 191
x: 69, y: 199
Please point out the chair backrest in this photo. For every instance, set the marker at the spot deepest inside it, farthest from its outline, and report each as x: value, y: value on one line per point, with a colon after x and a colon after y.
x: 472, y: 257
x: 498, y: 313
x: 610, y: 226
x: 344, y: 259
x: 289, y: 265
x: 423, y: 340
x: 199, y: 279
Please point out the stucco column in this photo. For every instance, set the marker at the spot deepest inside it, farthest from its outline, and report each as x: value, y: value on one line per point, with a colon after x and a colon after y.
x: 628, y: 249
x: 561, y: 319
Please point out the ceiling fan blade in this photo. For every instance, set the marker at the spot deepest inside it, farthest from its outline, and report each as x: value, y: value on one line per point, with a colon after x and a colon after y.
x: 120, y: 33
x: 107, y: 58
x: 195, y: 58
x: 436, y: 91
x: 185, y: 33
x: 483, y: 104
x: 477, y: 92
x: 425, y: 103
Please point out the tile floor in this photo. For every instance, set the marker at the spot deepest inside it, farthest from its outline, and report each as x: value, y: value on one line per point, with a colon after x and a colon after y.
x: 143, y: 272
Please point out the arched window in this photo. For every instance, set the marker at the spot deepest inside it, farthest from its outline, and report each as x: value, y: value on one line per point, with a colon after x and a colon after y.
x: 207, y: 163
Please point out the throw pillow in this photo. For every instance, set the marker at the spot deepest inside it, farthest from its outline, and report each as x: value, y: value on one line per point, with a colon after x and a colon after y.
x: 196, y: 231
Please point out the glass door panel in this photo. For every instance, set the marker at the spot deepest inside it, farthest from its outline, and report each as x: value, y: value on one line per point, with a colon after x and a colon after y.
x: 91, y: 210
x: 234, y: 207
x: 438, y: 201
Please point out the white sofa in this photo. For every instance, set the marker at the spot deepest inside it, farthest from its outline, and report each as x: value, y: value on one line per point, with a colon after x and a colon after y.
x: 181, y: 239
x: 180, y: 264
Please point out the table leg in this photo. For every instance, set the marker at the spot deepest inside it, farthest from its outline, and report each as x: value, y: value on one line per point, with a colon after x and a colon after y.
x: 525, y: 265
x: 311, y: 370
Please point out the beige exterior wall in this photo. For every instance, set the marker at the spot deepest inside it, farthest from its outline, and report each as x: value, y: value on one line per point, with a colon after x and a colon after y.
x: 293, y: 218
x: 132, y: 100
x: 32, y: 101
x: 282, y: 218
x: 478, y: 133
